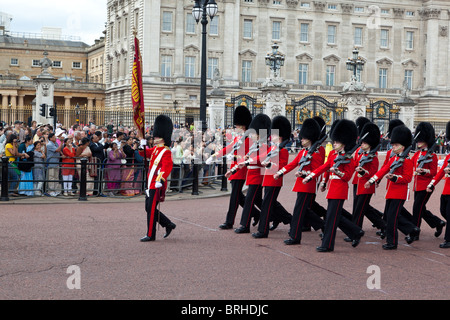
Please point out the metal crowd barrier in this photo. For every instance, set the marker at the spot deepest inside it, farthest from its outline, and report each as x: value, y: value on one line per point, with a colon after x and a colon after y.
x: 94, y: 179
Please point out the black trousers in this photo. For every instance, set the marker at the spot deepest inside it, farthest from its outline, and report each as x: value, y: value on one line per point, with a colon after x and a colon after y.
x: 396, y: 220
x: 334, y: 219
x: 237, y: 199
x: 362, y: 208
x: 253, y: 199
x: 302, y: 213
x: 420, y: 210
x: 272, y: 210
x: 153, y: 214
x: 445, y: 212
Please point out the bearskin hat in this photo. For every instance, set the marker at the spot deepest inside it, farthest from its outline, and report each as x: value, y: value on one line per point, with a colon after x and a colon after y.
x: 425, y: 133
x: 261, y: 123
x: 373, y: 137
x: 310, y: 130
x: 321, y: 123
x: 447, y: 131
x: 360, y: 122
x: 163, y: 128
x: 242, y: 117
x: 282, y: 124
x: 392, y: 124
x: 345, y: 132
x: 401, y: 134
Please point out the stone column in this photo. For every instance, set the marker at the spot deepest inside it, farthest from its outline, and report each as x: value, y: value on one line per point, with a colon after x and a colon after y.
x: 355, y: 103
x: 275, y: 99
x: 45, y: 89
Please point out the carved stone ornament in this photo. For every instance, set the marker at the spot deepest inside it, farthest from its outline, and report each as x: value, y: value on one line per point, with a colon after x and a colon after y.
x: 443, y: 31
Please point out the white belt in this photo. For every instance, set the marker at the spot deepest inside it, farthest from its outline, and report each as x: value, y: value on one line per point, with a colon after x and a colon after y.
x: 333, y: 177
x: 253, y: 167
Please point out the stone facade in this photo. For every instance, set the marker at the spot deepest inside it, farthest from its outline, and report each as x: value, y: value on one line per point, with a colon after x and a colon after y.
x: 398, y: 41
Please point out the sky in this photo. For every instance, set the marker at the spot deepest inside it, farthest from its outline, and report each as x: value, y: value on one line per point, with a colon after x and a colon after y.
x: 80, y: 18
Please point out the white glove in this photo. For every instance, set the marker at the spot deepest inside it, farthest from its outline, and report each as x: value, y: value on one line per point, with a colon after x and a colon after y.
x: 209, y: 160
x: 158, y: 185
x: 230, y: 157
x: 143, y: 142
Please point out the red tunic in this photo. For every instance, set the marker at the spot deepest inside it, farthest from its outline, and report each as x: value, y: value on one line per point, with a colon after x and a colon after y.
x: 337, y: 186
x: 398, y: 189
x: 239, y: 154
x: 372, y: 168
x: 278, y: 162
x: 357, y: 157
x: 422, y: 181
x: 163, y: 167
x: 316, y: 161
x: 441, y: 174
x: 68, y: 166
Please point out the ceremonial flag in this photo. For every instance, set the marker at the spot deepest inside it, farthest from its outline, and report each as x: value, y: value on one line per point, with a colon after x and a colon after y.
x: 137, y: 95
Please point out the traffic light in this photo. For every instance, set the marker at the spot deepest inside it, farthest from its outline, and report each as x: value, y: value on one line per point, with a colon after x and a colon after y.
x: 52, y: 112
x: 43, y: 110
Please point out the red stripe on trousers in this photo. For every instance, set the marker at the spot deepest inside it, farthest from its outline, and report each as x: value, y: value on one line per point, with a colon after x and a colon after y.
x: 152, y: 217
x: 334, y: 224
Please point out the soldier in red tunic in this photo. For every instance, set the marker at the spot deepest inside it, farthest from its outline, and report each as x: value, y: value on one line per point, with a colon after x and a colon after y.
x: 234, y: 152
x: 444, y: 172
x: 307, y: 160
x: 276, y: 158
x: 399, y: 172
x: 343, y: 135
x: 160, y: 167
x: 259, y: 132
x: 425, y: 168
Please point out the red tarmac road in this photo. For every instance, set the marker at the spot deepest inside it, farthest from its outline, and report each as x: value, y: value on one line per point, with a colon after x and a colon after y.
x: 198, y: 261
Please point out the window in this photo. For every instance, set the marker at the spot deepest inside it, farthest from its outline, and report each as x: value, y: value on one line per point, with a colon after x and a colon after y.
x: 190, y: 23
x: 305, y: 5
x: 214, y: 26
x: 409, y: 40
x: 36, y: 63
x: 303, y: 73
x: 76, y: 65
x: 384, y: 38
x: 331, y: 71
x: 359, y: 9
x: 166, y: 66
x: 409, y: 78
x: 248, y: 28
x: 384, y: 11
x: 331, y: 34
x: 14, y: 62
x: 57, y: 64
x: 358, y: 36
x: 410, y: 13
x: 248, y: 0
x: 246, y: 71
x: 213, y: 63
x: 332, y: 7
x: 304, y: 32
x: 382, y: 78
x: 276, y: 2
x: 276, y: 30
x: 167, y: 21
x: 189, y: 67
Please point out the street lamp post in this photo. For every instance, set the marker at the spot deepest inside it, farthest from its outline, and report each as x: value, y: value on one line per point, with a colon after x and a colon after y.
x: 202, y: 9
x: 275, y: 60
x: 355, y: 63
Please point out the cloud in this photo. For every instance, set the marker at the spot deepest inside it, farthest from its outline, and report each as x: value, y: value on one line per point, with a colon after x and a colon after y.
x: 82, y: 18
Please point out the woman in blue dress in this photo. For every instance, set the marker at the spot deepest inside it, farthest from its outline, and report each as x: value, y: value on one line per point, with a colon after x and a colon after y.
x: 26, y: 186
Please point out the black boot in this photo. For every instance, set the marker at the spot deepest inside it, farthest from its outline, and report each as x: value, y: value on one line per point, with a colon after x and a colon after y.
x: 169, y: 229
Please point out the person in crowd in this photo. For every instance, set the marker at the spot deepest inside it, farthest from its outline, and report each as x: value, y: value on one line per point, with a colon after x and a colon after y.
x: 39, y: 167
x: 113, y: 172
x: 53, y: 160
x: 68, y: 166
x: 128, y: 169
x: 26, y: 165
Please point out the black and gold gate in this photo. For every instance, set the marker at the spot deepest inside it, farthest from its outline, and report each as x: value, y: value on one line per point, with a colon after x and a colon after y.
x: 381, y: 112
x: 313, y: 105
x: 246, y: 100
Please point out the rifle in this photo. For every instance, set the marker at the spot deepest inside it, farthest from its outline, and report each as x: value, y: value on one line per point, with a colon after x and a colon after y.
x: 305, y: 160
x: 275, y: 152
x: 428, y: 157
x: 369, y: 157
x: 345, y: 158
x: 399, y: 162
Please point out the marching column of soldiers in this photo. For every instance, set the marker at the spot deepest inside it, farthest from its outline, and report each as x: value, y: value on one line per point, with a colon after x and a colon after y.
x: 259, y: 160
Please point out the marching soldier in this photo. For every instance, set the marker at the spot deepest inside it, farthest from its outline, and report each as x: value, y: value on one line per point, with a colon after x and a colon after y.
x: 160, y: 166
x: 367, y: 166
x: 308, y: 159
x: 236, y: 150
x: 399, y: 172
x: 444, y: 172
x: 425, y: 163
x: 261, y: 125
x: 276, y: 158
x: 341, y: 165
